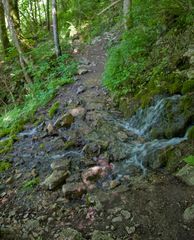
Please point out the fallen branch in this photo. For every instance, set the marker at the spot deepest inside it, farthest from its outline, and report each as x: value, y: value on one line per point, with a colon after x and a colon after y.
x: 107, y: 8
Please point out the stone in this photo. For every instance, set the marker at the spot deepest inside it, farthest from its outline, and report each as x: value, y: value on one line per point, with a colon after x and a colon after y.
x: 186, y: 174
x: 61, y: 164
x: 78, y: 112
x: 81, y: 89
x: 114, y: 183
x: 126, y: 214
x: 57, y: 178
x: 82, y: 71
x: 65, y: 121
x: 92, y: 174
x: 50, y: 128
x: 117, y: 219
x: 74, y: 190
x: 188, y: 214
x: 100, y: 235
x: 130, y: 230
x: 10, y: 180
x: 70, y: 234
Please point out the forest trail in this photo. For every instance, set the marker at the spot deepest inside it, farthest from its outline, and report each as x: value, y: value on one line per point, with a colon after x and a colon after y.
x: 88, y: 148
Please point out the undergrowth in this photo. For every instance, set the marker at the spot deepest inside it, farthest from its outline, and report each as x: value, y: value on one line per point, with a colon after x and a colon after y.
x: 150, y: 59
x: 49, y: 74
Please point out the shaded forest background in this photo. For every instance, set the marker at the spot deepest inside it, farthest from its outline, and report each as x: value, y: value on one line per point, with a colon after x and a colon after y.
x: 150, y: 57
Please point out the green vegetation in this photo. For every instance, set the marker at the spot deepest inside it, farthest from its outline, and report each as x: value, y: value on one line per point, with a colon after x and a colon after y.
x: 191, y: 133
x: 29, y: 184
x: 189, y: 160
x: 49, y: 76
x: 4, y: 165
x: 54, y: 108
x: 150, y: 59
x: 7, y: 144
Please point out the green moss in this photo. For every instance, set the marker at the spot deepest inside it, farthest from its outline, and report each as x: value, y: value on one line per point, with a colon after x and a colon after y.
x: 29, y: 184
x: 191, y: 133
x: 186, y: 104
x: 188, y: 86
x: 6, y: 146
x: 54, y: 108
x: 69, y: 144
x: 4, y: 165
x: 189, y: 160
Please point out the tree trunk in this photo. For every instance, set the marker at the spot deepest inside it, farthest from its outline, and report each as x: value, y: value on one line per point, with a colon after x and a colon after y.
x: 55, y: 29
x: 16, y: 39
x: 3, y: 30
x: 48, y: 14
x: 126, y: 10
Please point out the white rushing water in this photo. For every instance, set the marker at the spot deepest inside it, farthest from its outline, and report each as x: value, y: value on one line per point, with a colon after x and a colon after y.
x: 141, y: 124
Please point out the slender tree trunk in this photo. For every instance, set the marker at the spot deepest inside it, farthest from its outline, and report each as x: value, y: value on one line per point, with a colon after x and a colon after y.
x: 3, y: 30
x: 48, y: 14
x: 127, y: 4
x: 39, y: 13
x: 16, y: 38
x: 55, y: 29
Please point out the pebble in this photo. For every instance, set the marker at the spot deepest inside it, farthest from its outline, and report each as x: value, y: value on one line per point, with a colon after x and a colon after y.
x: 117, y: 219
x: 126, y: 214
x: 130, y: 230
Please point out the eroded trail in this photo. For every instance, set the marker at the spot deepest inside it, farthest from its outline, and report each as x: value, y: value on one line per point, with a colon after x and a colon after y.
x: 91, y: 188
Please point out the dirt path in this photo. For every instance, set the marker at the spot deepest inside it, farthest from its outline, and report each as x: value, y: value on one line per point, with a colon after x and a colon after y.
x: 136, y: 207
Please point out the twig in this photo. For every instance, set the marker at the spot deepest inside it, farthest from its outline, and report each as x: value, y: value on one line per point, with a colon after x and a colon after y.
x: 107, y: 8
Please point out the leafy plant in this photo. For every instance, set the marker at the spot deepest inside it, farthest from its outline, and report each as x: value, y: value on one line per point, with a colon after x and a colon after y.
x: 4, y: 165
x: 189, y: 160
x: 29, y: 184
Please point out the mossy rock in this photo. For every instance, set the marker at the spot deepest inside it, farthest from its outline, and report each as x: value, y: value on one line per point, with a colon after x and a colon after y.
x: 4, y: 165
x: 191, y: 133
x: 188, y: 86
x: 54, y: 108
x: 6, y: 145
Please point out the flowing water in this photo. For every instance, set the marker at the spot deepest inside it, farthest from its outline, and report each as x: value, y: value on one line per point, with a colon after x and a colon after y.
x: 141, y: 124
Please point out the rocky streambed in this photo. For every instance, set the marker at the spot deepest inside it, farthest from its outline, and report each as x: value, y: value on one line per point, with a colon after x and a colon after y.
x: 89, y: 174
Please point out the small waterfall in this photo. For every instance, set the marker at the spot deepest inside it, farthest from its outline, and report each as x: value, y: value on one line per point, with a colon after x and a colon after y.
x: 141, y: 124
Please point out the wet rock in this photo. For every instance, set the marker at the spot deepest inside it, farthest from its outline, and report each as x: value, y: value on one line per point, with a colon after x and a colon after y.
x: 61, y: 164
x: 65, y: 121
x: 101, y: 235
x: 70, y: 234
x: 188, y: 214
x: 50, y: 129
x: 82, y: 71
x: 92, y: 175
x: 78, y: 112
x: 74, y: 178
x: 80, y: 89
x: 74, y: 190
x: 57, y: 178
x: 92, y: 149
x: 186, y: 174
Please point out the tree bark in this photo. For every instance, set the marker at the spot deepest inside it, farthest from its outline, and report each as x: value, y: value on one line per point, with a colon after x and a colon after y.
x: 16, y: 39
x: 126, y: 10
x: 55, y: 29
x: 48, y: 14
x: 3, y: 30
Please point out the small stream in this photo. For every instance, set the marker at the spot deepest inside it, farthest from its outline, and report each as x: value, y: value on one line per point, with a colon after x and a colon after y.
x: 141, y: 124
